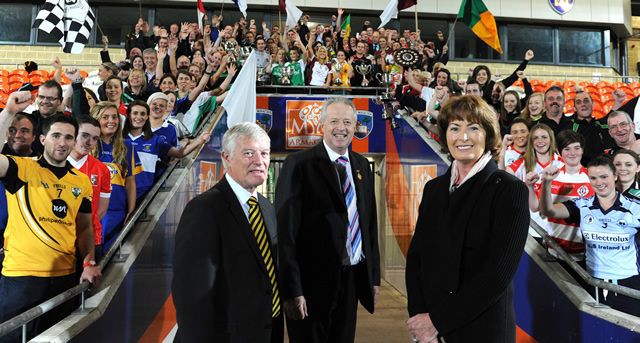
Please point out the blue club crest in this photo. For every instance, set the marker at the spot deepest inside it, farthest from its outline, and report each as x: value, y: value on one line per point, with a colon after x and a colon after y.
x: 364, y: 124
x: 264, y: 118
x: 561, y: 6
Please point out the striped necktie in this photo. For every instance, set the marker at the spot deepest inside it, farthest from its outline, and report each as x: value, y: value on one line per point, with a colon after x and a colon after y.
x: 258, y: 228
x: 354, y: 239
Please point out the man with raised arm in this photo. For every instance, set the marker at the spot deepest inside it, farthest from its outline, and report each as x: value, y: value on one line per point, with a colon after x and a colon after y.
x: 49, y: 205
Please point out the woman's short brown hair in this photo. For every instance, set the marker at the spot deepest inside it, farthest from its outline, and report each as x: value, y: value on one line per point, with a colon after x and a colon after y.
x: 475, y: 110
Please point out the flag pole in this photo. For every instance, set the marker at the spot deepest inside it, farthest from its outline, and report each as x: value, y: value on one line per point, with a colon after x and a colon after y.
x: 416, y: 12
x: 139, y: 7
x: 221, y: 8
x: 282, y: 29
x: 102, y: 33
x: 210, y: 128
x: 451, y: 32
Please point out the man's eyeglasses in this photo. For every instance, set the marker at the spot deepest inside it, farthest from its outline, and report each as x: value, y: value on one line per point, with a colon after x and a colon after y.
x: 622, y: 125
x: 48, y: 98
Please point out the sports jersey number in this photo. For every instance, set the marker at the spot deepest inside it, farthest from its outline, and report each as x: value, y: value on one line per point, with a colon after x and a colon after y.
x: 59, y: 192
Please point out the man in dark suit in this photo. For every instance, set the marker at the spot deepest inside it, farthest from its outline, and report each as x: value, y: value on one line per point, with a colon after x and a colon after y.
x: 225, y: 285
x: 329, y: 258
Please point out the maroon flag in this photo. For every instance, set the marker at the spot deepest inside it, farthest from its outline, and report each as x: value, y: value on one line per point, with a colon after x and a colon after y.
x: 402, y: 4
x: 282, y: 6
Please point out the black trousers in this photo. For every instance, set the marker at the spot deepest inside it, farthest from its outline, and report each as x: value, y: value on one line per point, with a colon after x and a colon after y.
x: 339, y: 326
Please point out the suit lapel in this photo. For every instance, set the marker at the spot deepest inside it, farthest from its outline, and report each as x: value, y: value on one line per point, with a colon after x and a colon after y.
x: 242, y: 223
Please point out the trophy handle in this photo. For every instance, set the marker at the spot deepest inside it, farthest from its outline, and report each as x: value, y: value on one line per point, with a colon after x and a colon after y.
x: 378, y: 77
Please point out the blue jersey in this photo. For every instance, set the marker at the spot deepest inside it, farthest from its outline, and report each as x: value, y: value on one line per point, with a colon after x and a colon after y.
x: 117, y: 209
x: 148, y: 151
x: 610, y: 237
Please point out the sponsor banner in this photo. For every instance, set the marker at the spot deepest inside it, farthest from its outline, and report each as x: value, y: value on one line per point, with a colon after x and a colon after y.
x: 293, y: 123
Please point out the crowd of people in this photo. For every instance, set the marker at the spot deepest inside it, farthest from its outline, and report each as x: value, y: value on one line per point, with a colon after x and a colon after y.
x: 581, y: 173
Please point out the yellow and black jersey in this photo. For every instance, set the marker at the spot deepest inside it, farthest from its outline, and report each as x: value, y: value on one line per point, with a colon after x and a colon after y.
x: 43, y: 202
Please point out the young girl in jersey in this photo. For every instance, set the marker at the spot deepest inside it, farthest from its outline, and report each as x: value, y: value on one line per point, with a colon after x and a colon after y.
x: 149, y: 146
x: 319, y: 65
x: 276, y: 68
x: 534, y: 109
x: 344, y: 74
x: 627, y: 165
x: 514, y: 143
x: 123, y: 164
x: 608, y: 223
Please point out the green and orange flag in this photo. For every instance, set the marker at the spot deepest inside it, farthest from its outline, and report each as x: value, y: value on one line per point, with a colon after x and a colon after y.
x: 476, y: 15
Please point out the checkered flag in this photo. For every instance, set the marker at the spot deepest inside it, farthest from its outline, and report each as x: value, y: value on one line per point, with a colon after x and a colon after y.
x: 69, y: 21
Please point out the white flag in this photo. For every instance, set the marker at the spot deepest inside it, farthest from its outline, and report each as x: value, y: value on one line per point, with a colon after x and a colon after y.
x: 293, y: 14
x: 390, y: 12
x: 240, y: 103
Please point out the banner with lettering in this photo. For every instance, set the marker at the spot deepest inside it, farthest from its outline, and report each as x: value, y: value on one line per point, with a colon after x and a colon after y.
x: 294, y: 123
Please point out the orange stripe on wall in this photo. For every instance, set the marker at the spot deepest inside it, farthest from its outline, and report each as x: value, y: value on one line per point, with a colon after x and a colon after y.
x: 162, y: 324
x: 523, y: 337
x: 398, y: 192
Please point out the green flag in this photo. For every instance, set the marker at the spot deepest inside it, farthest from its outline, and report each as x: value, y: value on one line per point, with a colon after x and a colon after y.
x: 346, y: 25
x: 476, y: 15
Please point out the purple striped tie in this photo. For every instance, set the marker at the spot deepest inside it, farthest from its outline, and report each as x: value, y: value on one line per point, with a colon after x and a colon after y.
x: 354, y: 241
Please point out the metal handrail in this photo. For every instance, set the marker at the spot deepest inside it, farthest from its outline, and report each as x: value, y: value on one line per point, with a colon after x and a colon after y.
x: 24, y: 318
x: 597, y: 283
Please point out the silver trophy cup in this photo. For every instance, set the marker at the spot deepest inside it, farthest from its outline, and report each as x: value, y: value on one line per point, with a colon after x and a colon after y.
x: 337, y: 71
x: 287, y: 73
x: 386, y: 80
x: 364, y: 69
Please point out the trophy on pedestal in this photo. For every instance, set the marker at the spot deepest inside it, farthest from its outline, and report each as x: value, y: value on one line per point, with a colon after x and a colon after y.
x: 364, y: 69
x: 386, y: 80
x: 337, y: 71
x: 287, y: 73
x: 230, y: 48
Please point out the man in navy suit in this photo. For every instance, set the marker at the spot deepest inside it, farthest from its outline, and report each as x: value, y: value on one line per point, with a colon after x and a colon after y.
x: 225, y: 284
x: 328, y: 233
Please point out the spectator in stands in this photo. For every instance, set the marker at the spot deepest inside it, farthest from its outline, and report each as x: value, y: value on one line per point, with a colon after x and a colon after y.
x: 113, y: 90
x: 621, y: 129
x: 534, y: 108
x: 138, y: 63
x: 482, y: 74
x: 554, y: 107
x: 457, y: 301
x: 630, y: 107
x: 539, y: 153
x: 276, y: 68
x: 514, y: 143
x: 627, y: 165
x: 123, y: 163
x: 473, y: 88
x: 105, y: 70
x: 136, y: 88
x: 607, y: 213
x: 511, y: 108
x: 263, y: 59
x: 572, y: 182
x: 360, y: 58
x: 592, y: 130
x: 151, y: 147
x: 151, y: 63
x: 341, y: 74
x: 185, y: 94
x: 319, y: 65
x: 41, y: 243
x: 48, y: 101
x: 167, y: 83
x: 297, y: 63
x: 21, y: 136
x: 98, y: 173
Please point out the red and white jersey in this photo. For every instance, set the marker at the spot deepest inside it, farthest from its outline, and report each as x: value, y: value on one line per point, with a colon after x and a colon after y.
x: 567, y: 187
x: 511, y: 155
x: 520, y: 171
x: 100, y: 178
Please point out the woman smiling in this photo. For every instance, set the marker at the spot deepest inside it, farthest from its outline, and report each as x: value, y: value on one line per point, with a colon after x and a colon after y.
x: 461, y: 287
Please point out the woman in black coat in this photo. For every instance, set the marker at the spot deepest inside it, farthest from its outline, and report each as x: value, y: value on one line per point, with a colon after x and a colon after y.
x: 469, y: 238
